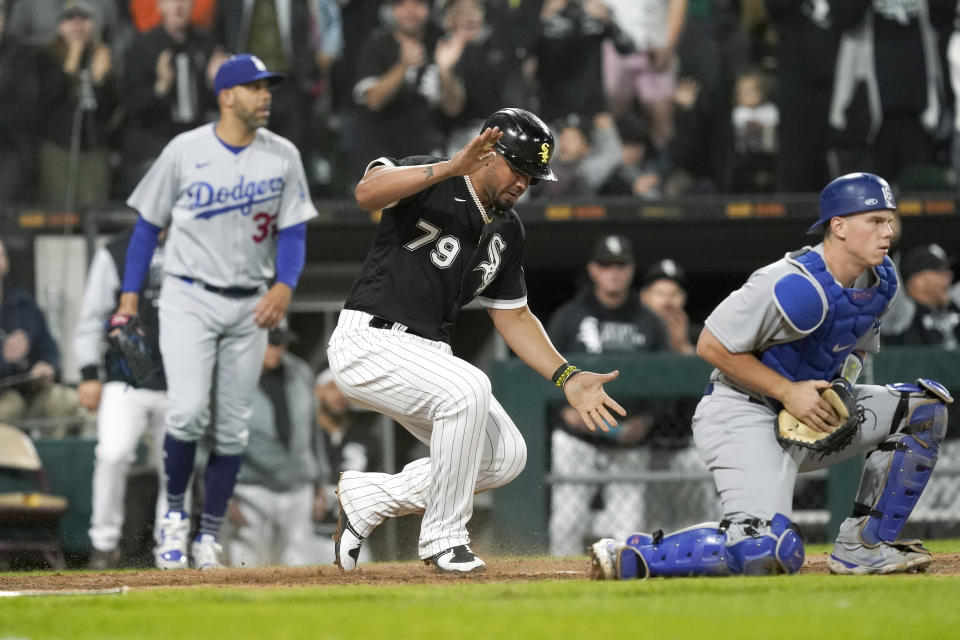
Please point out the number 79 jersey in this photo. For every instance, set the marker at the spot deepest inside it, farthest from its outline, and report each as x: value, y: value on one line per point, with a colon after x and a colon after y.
x: 432, y: 254
x: 224, y: 206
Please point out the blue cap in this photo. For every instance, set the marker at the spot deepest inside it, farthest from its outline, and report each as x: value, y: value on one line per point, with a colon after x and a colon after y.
x: 853, y: 193
x: 243, y: 68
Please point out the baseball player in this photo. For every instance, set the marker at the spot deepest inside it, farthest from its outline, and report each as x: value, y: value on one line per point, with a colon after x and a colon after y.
x: 799, y: 326
x: 123, y: 412
x: 235, y: 198
x: 448, y: 234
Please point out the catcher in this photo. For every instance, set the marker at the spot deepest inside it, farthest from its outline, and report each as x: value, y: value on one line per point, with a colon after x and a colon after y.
x: 788, y: 347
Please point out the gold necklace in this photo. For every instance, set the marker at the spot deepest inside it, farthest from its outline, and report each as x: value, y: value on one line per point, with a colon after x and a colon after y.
x: 476, y: 201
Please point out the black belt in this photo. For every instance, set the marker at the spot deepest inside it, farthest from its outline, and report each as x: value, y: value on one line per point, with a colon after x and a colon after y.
x: 230, y: 292
x: 376, y: 322
x: 750, y: 398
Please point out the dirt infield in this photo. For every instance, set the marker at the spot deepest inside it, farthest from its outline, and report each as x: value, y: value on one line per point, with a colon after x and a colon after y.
x: 498, y: 570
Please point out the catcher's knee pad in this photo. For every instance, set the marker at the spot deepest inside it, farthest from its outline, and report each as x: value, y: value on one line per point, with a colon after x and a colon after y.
x: 901, y: 465
x: 694, y: 551
x: 761, y: 547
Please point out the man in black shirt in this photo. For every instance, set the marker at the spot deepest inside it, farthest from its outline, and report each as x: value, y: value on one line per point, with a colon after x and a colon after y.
x: 405, y: 85
x: 165, y: 88
x: 925, y: 315
x: 20, y: 89
x: 448, y: 235
x: 605, y: 317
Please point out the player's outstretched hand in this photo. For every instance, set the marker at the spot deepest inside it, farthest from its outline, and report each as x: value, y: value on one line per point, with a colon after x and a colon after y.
x: 803, y: 400
x: 585, y: 393
x: 273, y: 306
x: 476, y: 153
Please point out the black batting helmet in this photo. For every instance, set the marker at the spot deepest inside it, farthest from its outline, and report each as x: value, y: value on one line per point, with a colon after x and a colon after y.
x: 526, y: 144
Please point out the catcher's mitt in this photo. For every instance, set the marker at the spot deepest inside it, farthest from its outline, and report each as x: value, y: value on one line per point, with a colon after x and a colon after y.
x: 791, y: 431
x: 131, y: 355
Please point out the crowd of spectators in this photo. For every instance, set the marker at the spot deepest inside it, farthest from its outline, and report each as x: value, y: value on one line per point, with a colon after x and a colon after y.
x: 661, y: 97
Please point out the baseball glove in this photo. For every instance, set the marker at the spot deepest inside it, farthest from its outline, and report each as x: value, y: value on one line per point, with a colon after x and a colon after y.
x: 131, y: 354
x: 791, y: 431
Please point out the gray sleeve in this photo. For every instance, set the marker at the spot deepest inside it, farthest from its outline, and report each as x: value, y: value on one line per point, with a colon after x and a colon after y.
x: 748, y: 320
x: 295, y: 205
x: 154, y: 196
x: 99, y: 301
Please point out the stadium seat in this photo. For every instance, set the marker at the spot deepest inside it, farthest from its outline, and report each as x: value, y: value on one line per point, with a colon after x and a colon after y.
x: 29, y: 515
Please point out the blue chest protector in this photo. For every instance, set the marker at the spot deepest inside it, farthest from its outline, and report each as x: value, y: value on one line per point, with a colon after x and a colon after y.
x: 833, y: 317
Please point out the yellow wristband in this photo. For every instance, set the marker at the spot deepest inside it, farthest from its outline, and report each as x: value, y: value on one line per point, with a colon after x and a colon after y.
x: 563, y: 374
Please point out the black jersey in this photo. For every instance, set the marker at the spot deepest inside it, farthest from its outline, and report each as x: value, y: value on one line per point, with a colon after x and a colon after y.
x: 433, y: 254
x: 584, y: 325
x: 930, y: 326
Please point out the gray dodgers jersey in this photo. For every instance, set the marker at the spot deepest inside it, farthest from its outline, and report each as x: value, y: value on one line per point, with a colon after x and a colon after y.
x: 224, y: 208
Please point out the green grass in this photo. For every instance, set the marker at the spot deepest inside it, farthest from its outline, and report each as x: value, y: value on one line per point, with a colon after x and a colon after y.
x: 804, y: 606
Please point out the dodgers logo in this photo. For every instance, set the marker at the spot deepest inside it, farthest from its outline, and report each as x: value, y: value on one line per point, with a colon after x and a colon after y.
x: 243, y: 196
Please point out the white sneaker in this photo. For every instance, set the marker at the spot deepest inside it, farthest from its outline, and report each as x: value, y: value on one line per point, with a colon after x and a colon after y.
x: 851, y: 556
x: 206, y: 552
x: 603, y: 559
x: 171, y: 550
x: 346, y: 541
x: 458, y: 559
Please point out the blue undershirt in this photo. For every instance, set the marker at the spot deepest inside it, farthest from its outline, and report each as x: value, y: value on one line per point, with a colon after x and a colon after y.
x: 231, y: 148
x: 291, y: 253
x: 139, y: 254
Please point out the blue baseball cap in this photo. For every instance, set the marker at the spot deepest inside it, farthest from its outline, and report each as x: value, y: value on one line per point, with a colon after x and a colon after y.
x: 243, y: 68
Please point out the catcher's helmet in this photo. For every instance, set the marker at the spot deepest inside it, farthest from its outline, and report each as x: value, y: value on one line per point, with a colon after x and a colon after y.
x: 853, y: 193
x: 527, y: 143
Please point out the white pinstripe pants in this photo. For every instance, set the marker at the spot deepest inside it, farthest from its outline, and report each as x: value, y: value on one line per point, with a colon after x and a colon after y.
x: 444, y: 402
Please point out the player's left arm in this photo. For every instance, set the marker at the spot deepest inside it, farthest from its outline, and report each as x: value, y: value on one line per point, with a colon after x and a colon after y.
x: 524, y: 333
x: 296, y: 208
x: 291, y: 256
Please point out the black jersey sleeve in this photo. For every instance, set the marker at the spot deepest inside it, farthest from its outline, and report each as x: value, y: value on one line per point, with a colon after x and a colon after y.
x: 409, y: 161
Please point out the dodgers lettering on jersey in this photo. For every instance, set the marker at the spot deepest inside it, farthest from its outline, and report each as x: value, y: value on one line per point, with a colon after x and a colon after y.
x: 213, y: 201
x: 224, y: 209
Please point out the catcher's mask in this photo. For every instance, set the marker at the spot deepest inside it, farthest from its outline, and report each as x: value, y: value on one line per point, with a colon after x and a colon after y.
x: 853, y: 193
x: 527, y: 143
